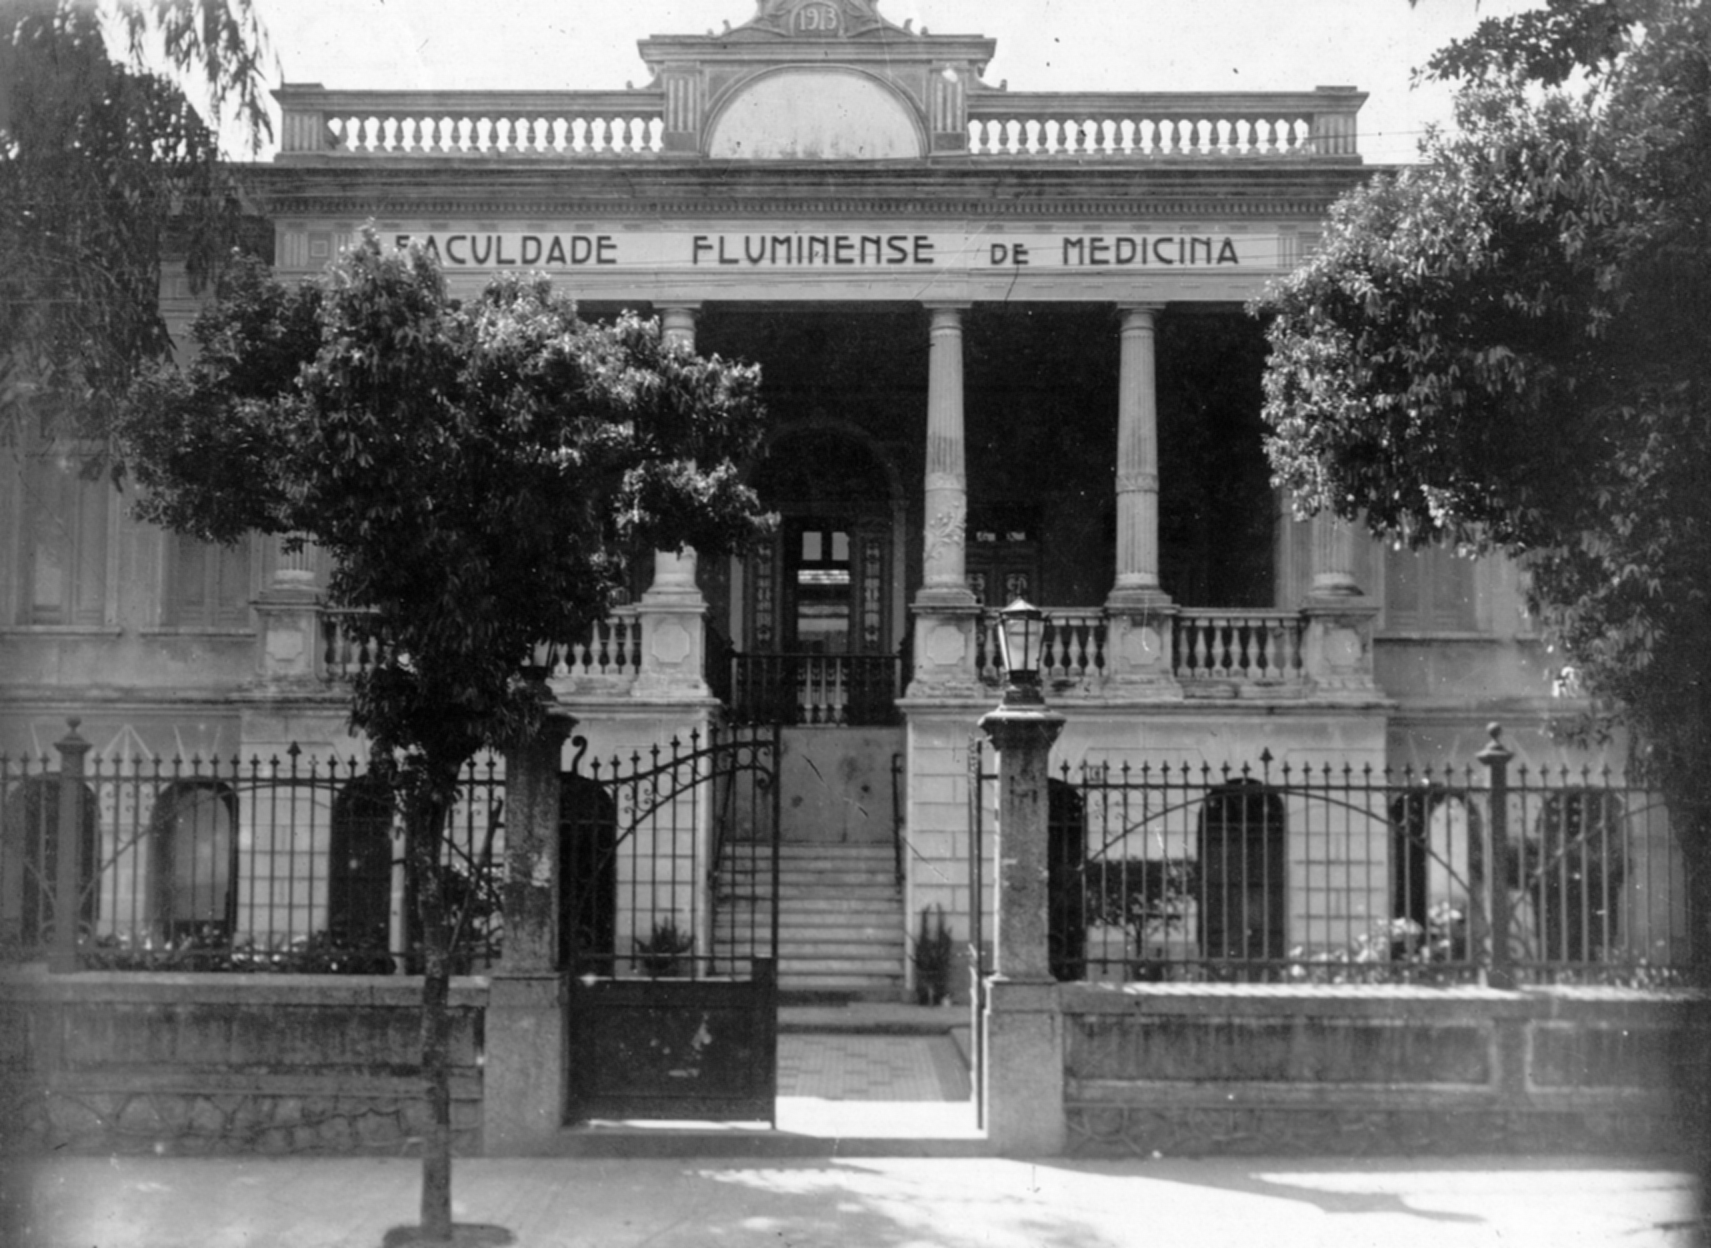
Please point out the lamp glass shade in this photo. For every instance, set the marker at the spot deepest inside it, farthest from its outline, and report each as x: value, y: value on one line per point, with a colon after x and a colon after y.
x: 1020, y: 626
x: 543, y: 656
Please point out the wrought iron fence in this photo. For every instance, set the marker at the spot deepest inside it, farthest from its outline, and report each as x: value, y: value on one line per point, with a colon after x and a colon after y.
x: 1291, y: 874
x: 285, y: 863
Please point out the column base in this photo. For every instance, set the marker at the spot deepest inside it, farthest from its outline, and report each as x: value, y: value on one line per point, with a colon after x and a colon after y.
x: 1024, y: 1073
x: 523, y: 1078
x: 1337, y: 648
x: 944, y: 649
x: 673, y: 641
x: 1140, y: 649
x: 1136, y: 598
x: 945, y: 598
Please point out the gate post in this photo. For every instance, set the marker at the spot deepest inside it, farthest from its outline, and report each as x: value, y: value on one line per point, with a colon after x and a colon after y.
x: 524, y: 1087
x: 1496, y: 757
x: 1024, y: 1070
x: 68, y: 851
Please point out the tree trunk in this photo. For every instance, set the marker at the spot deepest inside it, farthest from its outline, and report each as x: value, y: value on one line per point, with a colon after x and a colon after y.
x: 426, y: 823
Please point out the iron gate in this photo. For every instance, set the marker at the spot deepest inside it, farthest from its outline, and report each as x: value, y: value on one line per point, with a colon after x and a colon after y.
x: 669, y: 928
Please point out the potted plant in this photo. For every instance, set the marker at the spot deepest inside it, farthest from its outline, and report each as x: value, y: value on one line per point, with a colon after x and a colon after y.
x: 933, y: 958
x: 663, y: 953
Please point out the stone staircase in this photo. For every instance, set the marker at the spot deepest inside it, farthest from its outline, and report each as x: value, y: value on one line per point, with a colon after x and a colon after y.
x: 840, y: 917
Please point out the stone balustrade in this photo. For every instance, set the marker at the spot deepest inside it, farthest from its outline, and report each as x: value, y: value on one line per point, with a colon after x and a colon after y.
x: 521, y: 124
x: 633, y: 124
x: 1240, y: 647
x: 1045, y: 124
x: 1212, y: 652
x: 610, y: 652
x: 342, y: 655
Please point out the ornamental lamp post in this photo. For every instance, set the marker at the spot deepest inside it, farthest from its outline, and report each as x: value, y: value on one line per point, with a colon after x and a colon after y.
x: 1020, y: 628
x: 542, y: 661
x: 1024, y: 1032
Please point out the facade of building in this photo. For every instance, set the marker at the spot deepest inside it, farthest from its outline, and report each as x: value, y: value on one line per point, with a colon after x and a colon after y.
x: 1005, y: 355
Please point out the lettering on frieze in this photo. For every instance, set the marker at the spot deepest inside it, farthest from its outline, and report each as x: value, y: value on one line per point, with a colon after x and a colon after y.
x: 829, y: 251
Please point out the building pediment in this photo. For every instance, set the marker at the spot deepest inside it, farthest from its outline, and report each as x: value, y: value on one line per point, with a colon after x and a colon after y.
x: 818, y: 20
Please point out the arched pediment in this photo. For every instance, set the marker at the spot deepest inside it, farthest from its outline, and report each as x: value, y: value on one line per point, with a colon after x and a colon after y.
x: 813, y: 113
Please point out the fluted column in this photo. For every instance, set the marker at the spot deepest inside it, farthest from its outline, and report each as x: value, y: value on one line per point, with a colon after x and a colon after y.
x: 1337, y: 648
x: 293, y: 569
x: 944, y: 578
x: 674, y: 570
x: 1137, y: 584
x: 672, y: 611
x: 945, y: 610
x: 1333, y: 557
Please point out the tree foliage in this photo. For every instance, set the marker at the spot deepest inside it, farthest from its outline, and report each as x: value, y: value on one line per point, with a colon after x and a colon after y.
x: 106, y: 169
x: 1508, y: 347
x: 476, y: 472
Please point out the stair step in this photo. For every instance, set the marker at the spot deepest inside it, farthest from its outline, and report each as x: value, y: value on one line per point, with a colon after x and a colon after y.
x: 791, y: 928
x: 801, y: 902
x: 796, y: 968
x: 839, y: 912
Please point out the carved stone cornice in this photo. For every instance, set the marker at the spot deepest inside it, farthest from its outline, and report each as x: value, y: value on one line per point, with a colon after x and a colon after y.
x: 654, y: 192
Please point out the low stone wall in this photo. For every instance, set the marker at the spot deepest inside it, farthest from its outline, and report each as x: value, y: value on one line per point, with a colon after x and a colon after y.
x: 1194, y: 1070
x: 120, y: 1062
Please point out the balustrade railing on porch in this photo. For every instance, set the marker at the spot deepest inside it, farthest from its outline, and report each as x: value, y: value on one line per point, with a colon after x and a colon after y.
x: 1254, y: 648
x: 610, y: 650
x: 846, y: 690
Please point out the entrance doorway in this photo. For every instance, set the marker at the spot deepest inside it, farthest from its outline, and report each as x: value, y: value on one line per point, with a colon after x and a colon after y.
x: 817, y: 636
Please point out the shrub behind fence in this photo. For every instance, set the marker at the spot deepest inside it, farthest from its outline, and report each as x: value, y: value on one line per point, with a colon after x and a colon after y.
x: 1281, y: 873
x: 288, y: 863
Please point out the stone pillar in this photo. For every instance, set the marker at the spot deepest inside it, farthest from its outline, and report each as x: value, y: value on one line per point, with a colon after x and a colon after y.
x: 1137, y: 584
x: 524, y: 1079
x: 69, y: 867
x: 945, y: 609
x: 1337, y: 645
x: 673, y: 611
x: 1024, y: 1073
x: 289, y: 616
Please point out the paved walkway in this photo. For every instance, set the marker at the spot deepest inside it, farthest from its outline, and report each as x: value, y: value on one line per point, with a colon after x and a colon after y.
x: 895, y: 1203
x: 859, y: 1080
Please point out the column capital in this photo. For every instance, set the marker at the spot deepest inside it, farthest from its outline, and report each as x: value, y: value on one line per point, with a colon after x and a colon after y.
x: 1138, y: 310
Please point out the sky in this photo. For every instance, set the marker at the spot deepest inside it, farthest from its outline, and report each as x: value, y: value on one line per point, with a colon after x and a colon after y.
x: 1043, y: 45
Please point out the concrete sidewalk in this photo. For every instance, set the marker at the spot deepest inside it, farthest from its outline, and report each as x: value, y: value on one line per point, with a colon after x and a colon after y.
x: 930, y: 1203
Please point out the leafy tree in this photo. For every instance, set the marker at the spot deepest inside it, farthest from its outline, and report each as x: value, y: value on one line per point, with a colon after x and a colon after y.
x: 475, y: 471
x: 106, y: 169
x: 1509, y: 347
